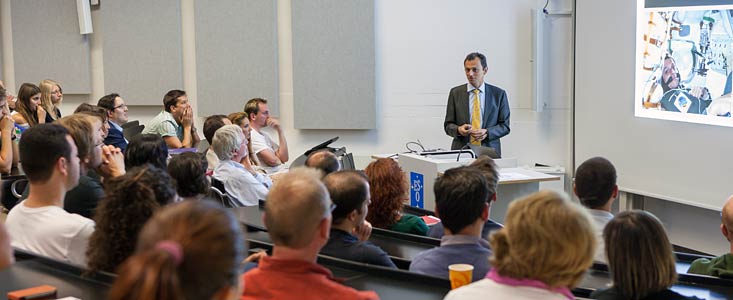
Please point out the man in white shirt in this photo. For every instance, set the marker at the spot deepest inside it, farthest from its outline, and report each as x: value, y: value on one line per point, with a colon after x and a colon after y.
x: 39, y: 224
x: 243, y: 185
x: 269, y: 155
x: 595, y: 186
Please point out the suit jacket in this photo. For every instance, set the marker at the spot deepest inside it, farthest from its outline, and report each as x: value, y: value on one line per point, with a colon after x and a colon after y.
x: 496, y: 116
x: 115, y: 138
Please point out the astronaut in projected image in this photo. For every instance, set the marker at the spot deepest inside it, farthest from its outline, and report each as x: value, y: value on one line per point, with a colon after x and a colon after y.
x: 678, y: 98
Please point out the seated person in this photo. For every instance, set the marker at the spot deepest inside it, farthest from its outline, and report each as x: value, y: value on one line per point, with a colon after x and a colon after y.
x: 175, y: 123
x: 243, y: 186
x: 8, y: 151
x: 640, y: 259
x: 298, y: 219
x: 6, y: 252
x: 95, y: 159
x: 487, y: 167
x: 268, y: 155
x: 349, y: 238
x: 323, y: 160
x: 146, y: 149
x: 130, y: 201
x: 462, y: 203
x: 117, y: 115
x: 51, y: 97
x: 29, y: 111
x: 211, y: 125
x: 721, y: 266
x: 544, y: 250
x: 174, y: 256
x: 595, y: 186
x: 97, y: 112
x: 188, y: 171
x: 240, y: 118
x: 388, y: 188
x: 38, y: 224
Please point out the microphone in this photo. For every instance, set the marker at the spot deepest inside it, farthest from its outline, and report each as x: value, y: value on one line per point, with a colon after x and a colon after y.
x: 466, y: 146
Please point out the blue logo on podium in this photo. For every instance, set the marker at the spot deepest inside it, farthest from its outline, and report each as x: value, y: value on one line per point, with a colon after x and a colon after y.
x: 416, y: 190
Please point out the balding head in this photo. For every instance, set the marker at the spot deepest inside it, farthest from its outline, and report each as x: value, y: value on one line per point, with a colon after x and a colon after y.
x: 295, y: 207
x: 727, y: 220
x: 323, y: 160
x: 349, y: 190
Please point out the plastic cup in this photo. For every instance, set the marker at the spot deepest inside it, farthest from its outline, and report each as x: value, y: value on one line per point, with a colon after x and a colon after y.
x: 460, y: 275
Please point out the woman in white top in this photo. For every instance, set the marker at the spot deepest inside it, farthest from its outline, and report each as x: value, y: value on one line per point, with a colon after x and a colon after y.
x: 243, y: 184
x: 543, y: 251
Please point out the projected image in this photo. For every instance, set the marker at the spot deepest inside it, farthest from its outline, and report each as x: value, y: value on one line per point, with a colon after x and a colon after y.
x: 684, y: 62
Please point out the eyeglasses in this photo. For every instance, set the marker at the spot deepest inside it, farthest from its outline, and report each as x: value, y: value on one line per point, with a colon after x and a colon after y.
x: 333, y: 206
x: 123, y: 106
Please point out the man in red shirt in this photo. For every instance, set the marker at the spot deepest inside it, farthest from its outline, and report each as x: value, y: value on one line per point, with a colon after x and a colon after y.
x: 298, y: 219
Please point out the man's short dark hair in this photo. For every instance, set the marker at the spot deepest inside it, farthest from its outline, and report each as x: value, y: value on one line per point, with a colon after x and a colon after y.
x: 488, y: 168
x: 108, y: 101
x: 40, y: 148
x: 323, y: 160
x: 474, y: 55
x: 211, y: 124
x: 253, y: 106
x: 595, y: 180
x: 188, y: 171
x: 171, y: 98
x: 146, y: 149
x: 460, y: 197
x: 348, y: 190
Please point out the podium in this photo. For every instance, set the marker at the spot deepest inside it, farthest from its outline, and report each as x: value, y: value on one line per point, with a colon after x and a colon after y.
x: 422, y: 170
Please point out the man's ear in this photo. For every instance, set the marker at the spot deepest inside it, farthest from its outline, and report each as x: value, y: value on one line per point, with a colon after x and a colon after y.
x: 324, y: 228
x: 62, y: 166
x: 575, y: 190
x: 724, y: 231
x: 353, y: 215
x: 485, y: 212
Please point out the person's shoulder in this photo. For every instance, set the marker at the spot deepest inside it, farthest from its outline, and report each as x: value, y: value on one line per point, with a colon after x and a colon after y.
x: 476, y: 290
x: 494, y: 89
x: 606, y: 294
x: 459, y: 88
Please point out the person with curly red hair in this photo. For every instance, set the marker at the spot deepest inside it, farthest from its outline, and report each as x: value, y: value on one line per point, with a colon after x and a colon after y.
x: 388, y: 188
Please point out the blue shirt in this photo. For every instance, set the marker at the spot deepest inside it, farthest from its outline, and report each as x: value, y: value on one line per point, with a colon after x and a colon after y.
x: 344, y: 245
x: 454, y: 249
x: 482, y: 101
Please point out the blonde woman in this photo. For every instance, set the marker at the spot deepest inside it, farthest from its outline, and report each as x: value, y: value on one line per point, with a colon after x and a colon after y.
x: 51, y: 96
x: 543, y: 251
x: 640, y: 259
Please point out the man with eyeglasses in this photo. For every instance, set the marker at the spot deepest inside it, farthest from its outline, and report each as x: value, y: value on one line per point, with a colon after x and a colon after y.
x: 117, y: 113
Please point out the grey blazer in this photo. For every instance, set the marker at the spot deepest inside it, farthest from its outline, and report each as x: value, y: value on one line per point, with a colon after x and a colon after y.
x: 496, y: 116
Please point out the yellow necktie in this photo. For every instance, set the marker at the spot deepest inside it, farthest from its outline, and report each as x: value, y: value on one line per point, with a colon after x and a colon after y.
x: 476, y: 115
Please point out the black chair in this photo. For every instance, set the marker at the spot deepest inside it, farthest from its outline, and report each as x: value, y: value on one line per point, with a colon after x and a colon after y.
x: 130, y: 124
x: 217, y: 192
x: 131, y: 132
x: 13, y: 192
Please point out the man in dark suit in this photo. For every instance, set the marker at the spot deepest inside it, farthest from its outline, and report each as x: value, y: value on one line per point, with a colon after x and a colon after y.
x: 477, y: 112
x: 117, y: 112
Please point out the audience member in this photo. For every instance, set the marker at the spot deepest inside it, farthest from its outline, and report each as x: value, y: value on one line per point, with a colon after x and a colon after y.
x: 28, y: 107
x: 175, y: 123
x: 244, y: 186
x: 117, y: 116
x: 640, y: 259
x: 9, y: 97
x: 268, y: 155
x: 87, y: 134
x: 388, y: 187
x: 146, y: 149
x: 349, y: 238
x: 51, y: 96
x: 241, y: 119
x: 7, y: 257
x: 97, y: 112
x: 298, y: 219
x: 211, y: 125
x: 129, y: 202
x: 39, y: 224
x: 8, y: 151
x: 188, y: 171
x: 595, y: 186
x: 323, y: 160
x: 543, y: 252
x: 721, y: 266
x: 462, y: 202
x: 174, y: 261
